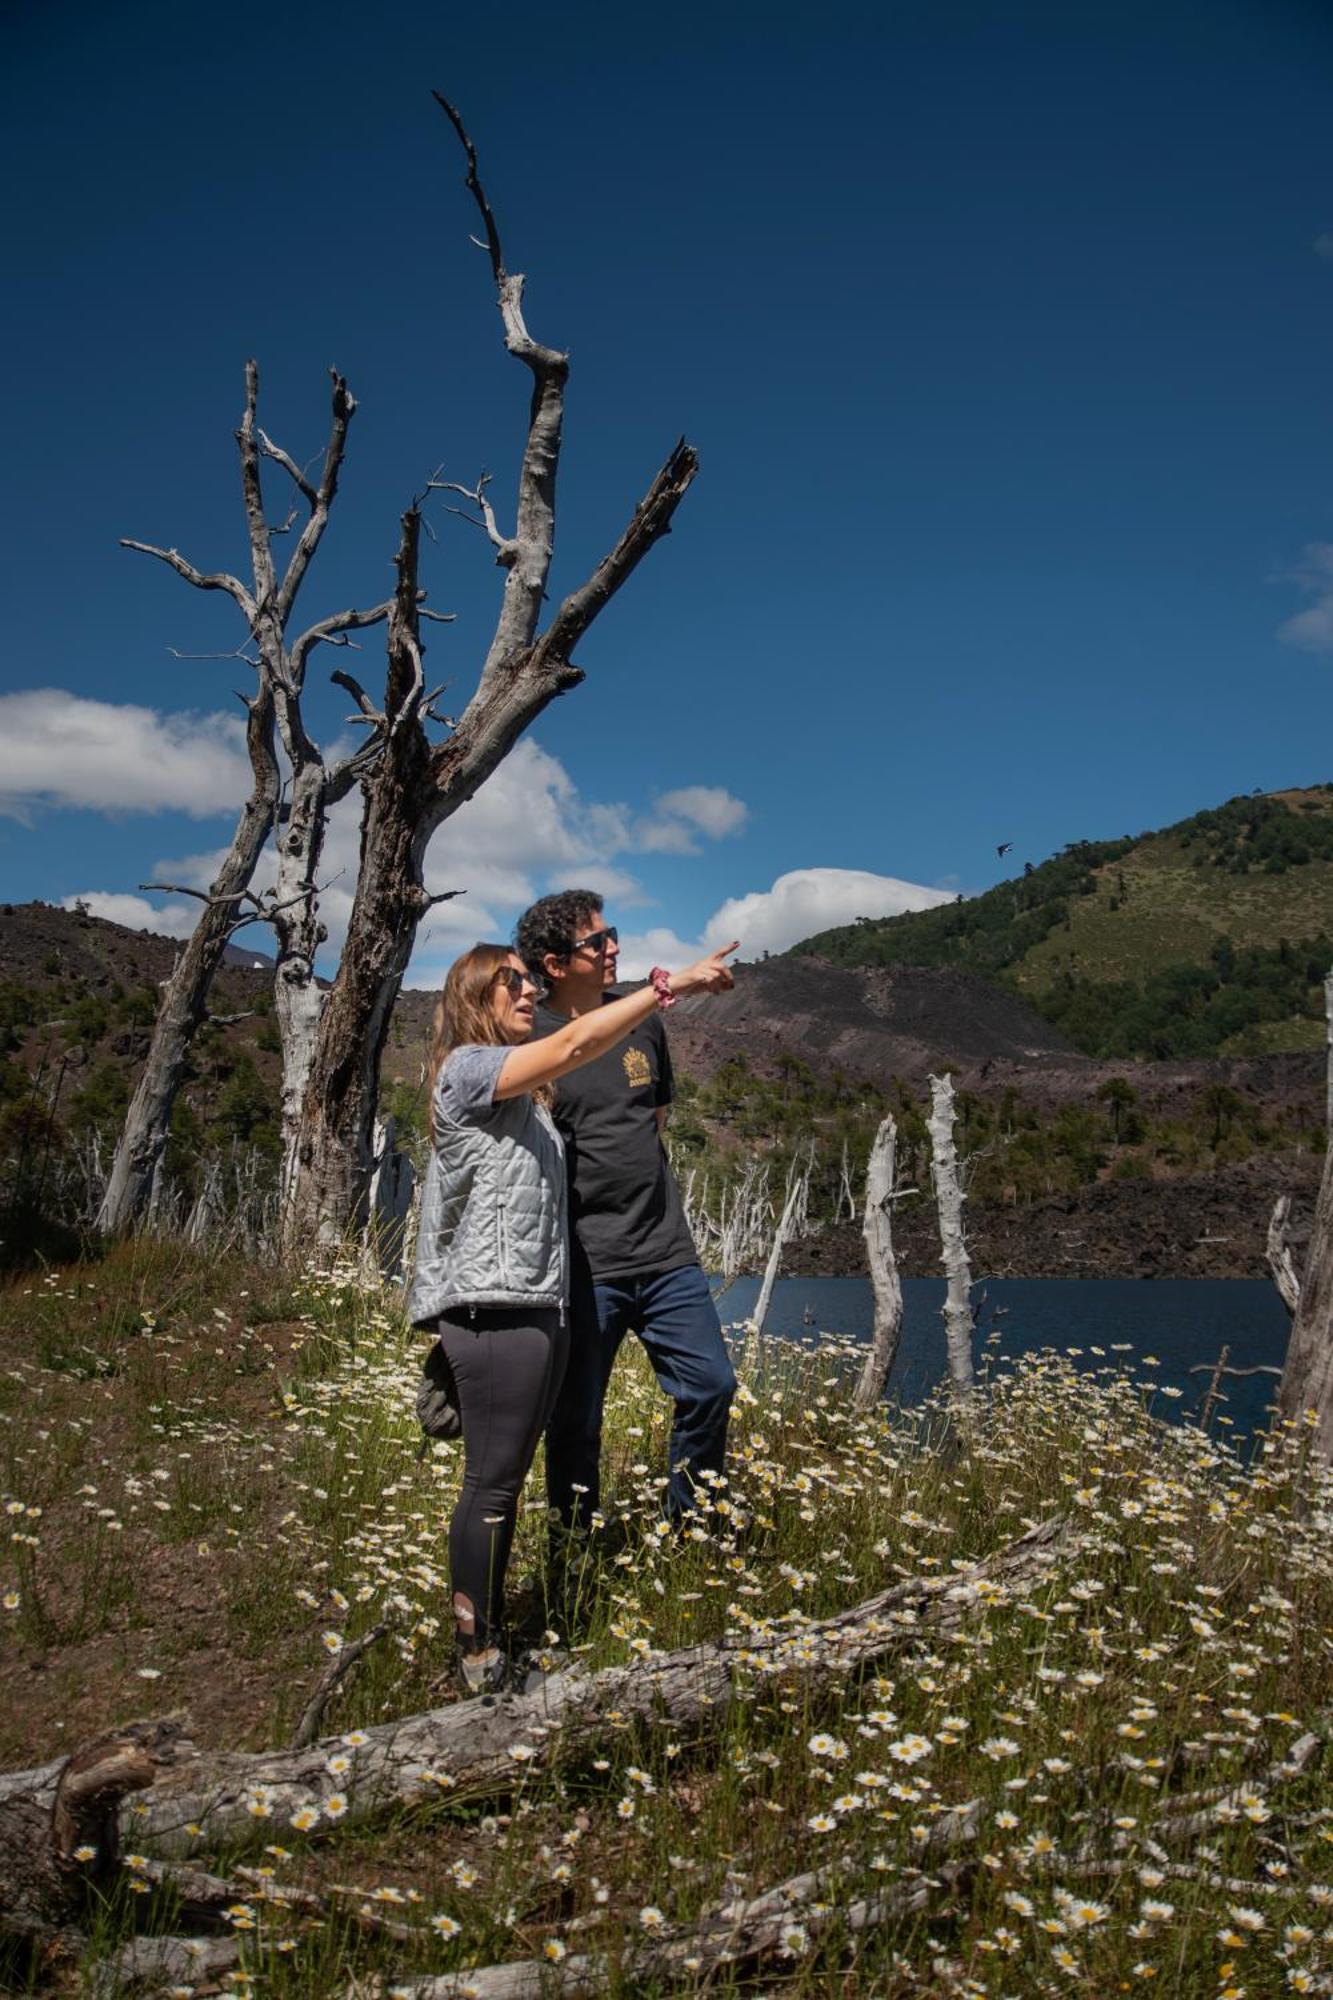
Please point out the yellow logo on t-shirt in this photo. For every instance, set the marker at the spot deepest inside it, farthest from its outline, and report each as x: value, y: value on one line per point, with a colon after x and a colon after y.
x: 638, y: 1070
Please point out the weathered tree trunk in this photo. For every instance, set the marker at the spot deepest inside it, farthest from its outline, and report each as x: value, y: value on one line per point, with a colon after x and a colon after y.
x: 297, y: 998
x: 333, y: 1152
x: 885, y: 1283
x: 465, y: 1751
x: 1280, y: 1261
x: 143, y: 1139
x: 945, y: 1174
x: 1307, y: 1376
x: 415, y: 787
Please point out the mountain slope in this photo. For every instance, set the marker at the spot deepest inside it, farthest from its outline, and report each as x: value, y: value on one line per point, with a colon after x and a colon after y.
x: 1210, y: 937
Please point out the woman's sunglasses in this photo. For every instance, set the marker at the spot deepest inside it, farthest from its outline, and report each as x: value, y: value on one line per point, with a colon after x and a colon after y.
x: 514, y: 981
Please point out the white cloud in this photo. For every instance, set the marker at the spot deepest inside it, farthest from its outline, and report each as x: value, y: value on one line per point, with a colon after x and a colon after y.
x: 798, y: 904
x: 709, y: 807
x: 60, y: 749
x: 1312, y: 629
x: 642, y: 950
x: 680, y: 816
x: 813, y: 899
x: 613, y: 885
x: 175, y: 920
x: 528, y: 831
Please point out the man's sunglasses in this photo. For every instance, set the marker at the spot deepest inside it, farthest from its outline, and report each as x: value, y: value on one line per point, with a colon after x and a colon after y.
x: 596, y: 940
x: 514, y: 981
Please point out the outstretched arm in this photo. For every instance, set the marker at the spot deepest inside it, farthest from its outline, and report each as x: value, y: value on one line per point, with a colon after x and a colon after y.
x: 591, y: 1035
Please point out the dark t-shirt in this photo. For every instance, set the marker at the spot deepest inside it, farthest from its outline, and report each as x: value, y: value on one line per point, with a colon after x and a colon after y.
x: 624, y: 1205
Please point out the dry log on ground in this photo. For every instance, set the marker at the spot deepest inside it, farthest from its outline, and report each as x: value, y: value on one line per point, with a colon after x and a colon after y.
x: 484, y: 1748
x: 743, y: 1934
x: 746, y: 1931
x: 779, y: 1924
x: 60, y: 1841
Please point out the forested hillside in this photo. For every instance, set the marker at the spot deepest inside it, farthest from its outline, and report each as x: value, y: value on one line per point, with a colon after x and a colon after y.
x: 1209, y: 938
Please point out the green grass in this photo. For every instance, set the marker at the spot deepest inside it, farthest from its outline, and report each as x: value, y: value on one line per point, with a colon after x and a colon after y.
x: 1180, y: 1648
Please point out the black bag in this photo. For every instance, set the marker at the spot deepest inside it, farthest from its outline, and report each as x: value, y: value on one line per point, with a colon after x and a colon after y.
x: 437, y: 1397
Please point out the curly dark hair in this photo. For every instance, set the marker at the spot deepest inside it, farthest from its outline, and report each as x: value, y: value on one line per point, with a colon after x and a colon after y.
x: 550, y: 925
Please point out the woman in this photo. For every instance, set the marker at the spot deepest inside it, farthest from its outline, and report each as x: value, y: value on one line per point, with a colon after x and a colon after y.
x: 492, y: 1273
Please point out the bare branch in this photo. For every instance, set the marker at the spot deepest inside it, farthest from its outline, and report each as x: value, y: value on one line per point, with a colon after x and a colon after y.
x: 337, y: 1669
x: 237, y: 653
x: 344, y: 405
x: 218, y: 579
x: 369, y: 712
x: 200, y: 895
x: 229, y: 1020
x: 445, y: 896
x: 329, y: 631
x: 507, y: 551
x: 261, y: 554
x: 652, y: 520
x: 289, y: 466
x: 437, y: 617
x: 529, y: 564
x: 405, y: 680
x: 492, y: 243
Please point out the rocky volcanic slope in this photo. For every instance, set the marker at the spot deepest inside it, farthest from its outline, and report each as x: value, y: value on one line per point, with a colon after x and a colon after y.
x: 869, y: 1021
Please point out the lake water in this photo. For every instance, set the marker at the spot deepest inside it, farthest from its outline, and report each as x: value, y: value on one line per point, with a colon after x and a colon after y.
x: 1182, y: 1321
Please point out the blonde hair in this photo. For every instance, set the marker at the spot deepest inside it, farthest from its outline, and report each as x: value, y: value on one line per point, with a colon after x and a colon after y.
x: 465, y: 1014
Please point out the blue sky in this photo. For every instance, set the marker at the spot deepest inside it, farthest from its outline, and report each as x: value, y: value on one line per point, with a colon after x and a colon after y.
x: 1005, y: 335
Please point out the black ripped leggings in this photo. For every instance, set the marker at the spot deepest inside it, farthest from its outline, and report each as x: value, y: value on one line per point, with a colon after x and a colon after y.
x: 508, y: 1366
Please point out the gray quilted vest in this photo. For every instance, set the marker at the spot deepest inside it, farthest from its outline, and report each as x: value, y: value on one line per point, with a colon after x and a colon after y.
x: 493, y: 1215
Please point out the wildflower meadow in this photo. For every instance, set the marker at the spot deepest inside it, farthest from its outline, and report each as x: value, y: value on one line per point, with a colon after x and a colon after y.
x: 1101, y: 1771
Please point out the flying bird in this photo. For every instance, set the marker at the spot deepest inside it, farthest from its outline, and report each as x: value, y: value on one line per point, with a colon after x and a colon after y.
x: 1004, y: 847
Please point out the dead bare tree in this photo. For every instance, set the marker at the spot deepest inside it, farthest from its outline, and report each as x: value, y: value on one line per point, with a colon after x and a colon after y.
x: 1307, y: 1374
x: 731, y: 1229
x: 946, y: 1174
x: 136, y: 1169
x: 414, y: 785
x: 884, y: 1279
x: 297, y: 811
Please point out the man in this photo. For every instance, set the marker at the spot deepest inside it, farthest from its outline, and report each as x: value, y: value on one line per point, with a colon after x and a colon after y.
x: 635, y: 1267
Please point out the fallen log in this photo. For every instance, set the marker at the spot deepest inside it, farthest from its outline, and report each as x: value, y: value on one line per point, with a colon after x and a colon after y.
x: 56, y: 1852
x: 486, y: 1747
x: 740, y: 1933
x: 777, y: 1925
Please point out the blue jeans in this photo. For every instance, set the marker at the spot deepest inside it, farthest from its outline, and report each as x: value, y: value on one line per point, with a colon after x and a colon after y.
x: 674, y: 1316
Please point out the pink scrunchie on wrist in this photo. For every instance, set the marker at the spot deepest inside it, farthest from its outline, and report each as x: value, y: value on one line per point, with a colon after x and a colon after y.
x: 660, y: 980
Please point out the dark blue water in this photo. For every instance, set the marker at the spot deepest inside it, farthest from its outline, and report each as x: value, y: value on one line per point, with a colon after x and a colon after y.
x: 1098, y: 1322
